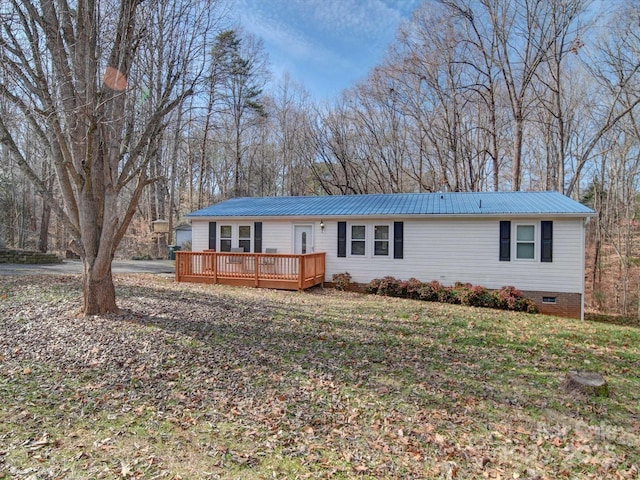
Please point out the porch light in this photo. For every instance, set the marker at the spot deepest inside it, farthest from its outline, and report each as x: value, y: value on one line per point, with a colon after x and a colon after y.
x: 322, y: 225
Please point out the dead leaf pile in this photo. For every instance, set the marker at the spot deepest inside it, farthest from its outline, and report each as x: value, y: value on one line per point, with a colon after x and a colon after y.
x: 194, y: 381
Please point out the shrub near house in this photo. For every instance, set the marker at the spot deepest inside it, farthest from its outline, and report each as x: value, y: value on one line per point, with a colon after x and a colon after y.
x: 506, y: 298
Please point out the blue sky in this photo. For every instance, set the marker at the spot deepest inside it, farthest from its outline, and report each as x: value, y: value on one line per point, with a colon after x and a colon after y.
x: 326, y: 45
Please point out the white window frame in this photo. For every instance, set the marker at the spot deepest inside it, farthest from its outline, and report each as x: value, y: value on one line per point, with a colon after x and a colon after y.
x: 388, y: 240
x: 235, y: 235
x: 369, y: 239
x: 250, y: 237
x: 534, y: 242
x: 350, y: 239
x: 221, y: 238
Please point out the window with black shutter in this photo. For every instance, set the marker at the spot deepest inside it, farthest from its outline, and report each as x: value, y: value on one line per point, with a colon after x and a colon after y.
x: 546, y: 249
x: 212, y: 235
x: 342, y: 239
x: 244, y: 237
x: 257, y: 237
x: 505, y: 241
x: 381, y: 240
x: 398, y: 239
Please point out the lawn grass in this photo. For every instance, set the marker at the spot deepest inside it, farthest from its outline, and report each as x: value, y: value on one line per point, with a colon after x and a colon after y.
x: 194, y: 381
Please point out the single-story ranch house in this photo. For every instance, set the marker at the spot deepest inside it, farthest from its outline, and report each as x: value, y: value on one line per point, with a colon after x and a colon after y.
x: 534, y: 241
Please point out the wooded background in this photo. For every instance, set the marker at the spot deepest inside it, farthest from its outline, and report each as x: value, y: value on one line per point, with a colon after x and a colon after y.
x: 474, y: 95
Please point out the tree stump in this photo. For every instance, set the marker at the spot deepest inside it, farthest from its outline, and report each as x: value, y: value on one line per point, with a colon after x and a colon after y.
x: 589, y: 383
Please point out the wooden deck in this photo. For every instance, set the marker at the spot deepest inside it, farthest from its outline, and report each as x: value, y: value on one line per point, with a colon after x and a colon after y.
x: 265, y: 270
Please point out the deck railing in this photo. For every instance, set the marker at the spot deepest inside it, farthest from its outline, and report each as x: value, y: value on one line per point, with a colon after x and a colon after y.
x: 268, y: 270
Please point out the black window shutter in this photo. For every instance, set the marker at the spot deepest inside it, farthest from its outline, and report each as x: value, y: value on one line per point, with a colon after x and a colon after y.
x: 257, y: 237
x: 546, y: 250
x: 212, y: 235
x: 398, y: 239
x: 505, y: 241
x: 342, y: 239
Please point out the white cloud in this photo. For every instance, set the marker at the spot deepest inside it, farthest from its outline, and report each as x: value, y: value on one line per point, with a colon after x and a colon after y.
x: 322, y: 41
x: 284, y: 28
x: 353, y: 17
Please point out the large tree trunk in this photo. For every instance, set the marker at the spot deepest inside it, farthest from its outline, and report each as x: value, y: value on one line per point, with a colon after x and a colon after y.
x: 516, y: 165
x: 45, y: 220
x: 99, y: 294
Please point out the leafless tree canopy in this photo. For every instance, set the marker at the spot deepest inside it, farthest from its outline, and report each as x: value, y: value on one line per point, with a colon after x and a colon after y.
x: 116, y: 113
x: 93, y: 83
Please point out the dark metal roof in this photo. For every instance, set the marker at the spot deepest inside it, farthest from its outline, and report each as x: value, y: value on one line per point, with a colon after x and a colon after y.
x: 400, y: 204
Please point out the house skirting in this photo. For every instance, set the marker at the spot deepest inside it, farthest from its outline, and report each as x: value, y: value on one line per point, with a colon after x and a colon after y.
x: 557, y: 303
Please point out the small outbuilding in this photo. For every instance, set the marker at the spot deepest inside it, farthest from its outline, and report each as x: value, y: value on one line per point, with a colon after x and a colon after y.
x: 534, y: 241
x: 183, y: 235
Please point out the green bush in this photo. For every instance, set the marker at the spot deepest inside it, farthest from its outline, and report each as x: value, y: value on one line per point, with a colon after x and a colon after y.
x: 474, y: 295
x: 510, y: 298
x: 390, y: 287
x: 413, y: 288
x: 428, y: 292
x: 480, y: 297
x: 373, y: 286
x: 341, y: 281
x: 449, y: 295
x: 507, y: 298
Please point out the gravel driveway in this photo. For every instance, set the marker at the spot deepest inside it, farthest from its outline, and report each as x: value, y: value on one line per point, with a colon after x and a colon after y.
x: 75, y: 266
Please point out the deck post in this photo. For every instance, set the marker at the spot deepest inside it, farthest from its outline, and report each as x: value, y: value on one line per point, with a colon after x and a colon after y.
x: 214, y: 266
x: 301, y: 272
x: 255, y: 270
x: 177, y: 267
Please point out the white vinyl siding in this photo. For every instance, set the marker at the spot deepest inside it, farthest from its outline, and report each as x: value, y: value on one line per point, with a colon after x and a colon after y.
x: 467, y: 250
x: 199, y: 235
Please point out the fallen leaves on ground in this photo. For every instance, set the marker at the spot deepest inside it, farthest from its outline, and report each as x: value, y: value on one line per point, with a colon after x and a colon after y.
x: 194, y: 381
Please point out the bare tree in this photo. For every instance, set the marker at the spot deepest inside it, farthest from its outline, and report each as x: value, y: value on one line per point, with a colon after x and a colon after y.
x: 337, y: 165
x: 290, y: 118
x: 242, y: 75
x: 552, y: 81
x: 381, y: 131
x: 609, y: 155
x: 482, y: 86
x: 615, y: 89
x: 429, y: 49
x: 446, y: 84
x: 526, y: 36
x: 76, y: 72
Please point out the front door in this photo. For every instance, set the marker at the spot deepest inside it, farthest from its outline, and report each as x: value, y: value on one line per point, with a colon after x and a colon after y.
x: 303, y: 240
